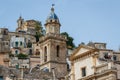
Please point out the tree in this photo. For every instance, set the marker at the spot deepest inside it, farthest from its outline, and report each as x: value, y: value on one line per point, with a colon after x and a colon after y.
x: 22, y: 56
x: 39, y: 30
x: 69, y: 42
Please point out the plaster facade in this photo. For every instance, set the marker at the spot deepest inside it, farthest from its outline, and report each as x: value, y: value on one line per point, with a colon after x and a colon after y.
x: 99, y: 63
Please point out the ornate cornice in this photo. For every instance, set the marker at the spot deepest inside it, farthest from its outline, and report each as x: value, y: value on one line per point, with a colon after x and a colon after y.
x: 52, y: 36
x: 83, y: 54
x: 53, y: 62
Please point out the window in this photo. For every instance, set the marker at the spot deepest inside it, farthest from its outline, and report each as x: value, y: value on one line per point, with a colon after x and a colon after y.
x: 106, y: 55
x: 83, y: 71
x: 37, y: 52
x: 20, y: 43
x: 37, y: 44
x: 25, y: 66
x: 30, y: 51
x: 114, y: 57
x: 6, y: 43
x: 1, y: 77
x: 100, y: 47
x: 16, y: 44
x: 45, y: 54
x: 58, y: 49
x: 17, y: 66
x: 29, y: 44
x: 17, y: 36
x: 68, y: 67
x: 16, y: 52
x: 5, y: 32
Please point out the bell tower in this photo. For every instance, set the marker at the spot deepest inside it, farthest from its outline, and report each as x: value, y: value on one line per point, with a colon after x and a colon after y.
x: 52, y: 23
x: 20, y: 21
x: 53, y: 47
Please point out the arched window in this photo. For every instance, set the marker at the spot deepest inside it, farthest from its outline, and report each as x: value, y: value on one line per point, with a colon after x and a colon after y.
x: 16, y: 44
x: 58, y: 50
x: 37, y: 52
x: 45, y: 54
x: 16, y: 52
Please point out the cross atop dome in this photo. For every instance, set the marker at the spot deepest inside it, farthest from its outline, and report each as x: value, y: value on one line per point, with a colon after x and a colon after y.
x: 52, y: 23
x: 52, y: 9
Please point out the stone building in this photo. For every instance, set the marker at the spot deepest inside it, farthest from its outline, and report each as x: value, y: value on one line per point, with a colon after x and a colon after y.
x: 9, y: 74
x: 20, y: 42
x: 27, y: 26
x: 50, y: 52
x: 35, y: 57
x: 94, y: 62
x: 52, y: 47
x: 4, y: 46
x: 14, y: 43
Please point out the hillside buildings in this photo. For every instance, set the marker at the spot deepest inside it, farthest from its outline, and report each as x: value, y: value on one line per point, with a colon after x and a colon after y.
x: 95, y: 62
x: 49, y: 53
x: 24, y: 58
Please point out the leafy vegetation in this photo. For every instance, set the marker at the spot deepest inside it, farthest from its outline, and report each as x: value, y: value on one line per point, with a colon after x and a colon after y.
x: 22, y: 56
x: 39, y: 30
x: 70, y: 44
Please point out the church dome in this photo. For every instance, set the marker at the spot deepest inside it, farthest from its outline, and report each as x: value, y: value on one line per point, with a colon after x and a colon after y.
x: 52, y: 17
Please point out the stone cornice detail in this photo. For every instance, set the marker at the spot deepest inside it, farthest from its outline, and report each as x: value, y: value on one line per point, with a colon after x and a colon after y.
x: 52, y: 36
x: 53, y: 62
x: 83, y: 54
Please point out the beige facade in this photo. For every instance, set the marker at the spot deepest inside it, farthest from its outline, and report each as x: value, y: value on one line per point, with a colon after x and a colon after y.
x: 4, y: 59
x: 34, y: 61
x: 52, y: 48
x: 4, y: 47
x: 27, y: 26
x: 94, y: 62
x: 50, y: 52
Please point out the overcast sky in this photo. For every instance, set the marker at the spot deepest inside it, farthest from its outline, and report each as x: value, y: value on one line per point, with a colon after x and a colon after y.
x: 84, y: 20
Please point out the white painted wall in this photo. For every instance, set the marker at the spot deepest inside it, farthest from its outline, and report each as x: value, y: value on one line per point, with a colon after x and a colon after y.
x: 86, y: 62
x: 17, y: 39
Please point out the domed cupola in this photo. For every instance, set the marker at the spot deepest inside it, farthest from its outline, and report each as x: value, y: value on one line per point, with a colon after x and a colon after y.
x: 52, y: 17
x: 52, y: 24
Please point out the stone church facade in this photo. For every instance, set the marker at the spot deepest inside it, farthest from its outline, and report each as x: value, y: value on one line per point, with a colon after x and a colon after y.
x: 49, y: 52
x: 94, y: 62
x: 48, y: 56
x: 52, y: 47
